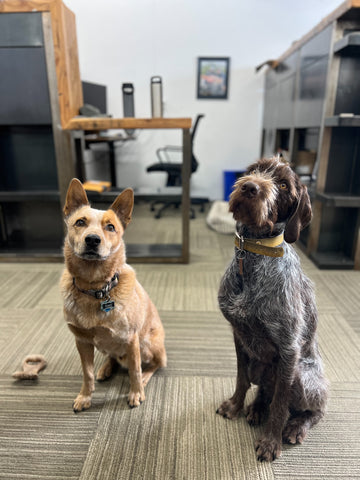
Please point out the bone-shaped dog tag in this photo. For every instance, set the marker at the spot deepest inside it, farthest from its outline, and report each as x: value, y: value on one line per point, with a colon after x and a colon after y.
x: 107, y: 305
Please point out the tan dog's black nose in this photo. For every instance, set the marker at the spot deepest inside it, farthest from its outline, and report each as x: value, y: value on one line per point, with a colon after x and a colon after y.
x: 251, y: 189
x: 92, y: 241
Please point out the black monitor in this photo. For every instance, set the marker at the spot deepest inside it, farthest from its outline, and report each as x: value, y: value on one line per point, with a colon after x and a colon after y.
x: 95, y: 94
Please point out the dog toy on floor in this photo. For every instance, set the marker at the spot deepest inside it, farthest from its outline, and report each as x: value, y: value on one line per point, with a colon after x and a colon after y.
x: 32, y: 365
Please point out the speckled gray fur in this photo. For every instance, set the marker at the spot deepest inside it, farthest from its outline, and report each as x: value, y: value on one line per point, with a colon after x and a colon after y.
x: 272, y: 310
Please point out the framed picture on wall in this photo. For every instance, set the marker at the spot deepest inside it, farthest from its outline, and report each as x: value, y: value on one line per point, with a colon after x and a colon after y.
x: 213, y: 77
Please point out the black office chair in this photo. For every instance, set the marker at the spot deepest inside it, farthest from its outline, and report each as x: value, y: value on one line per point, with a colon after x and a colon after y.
x: 173, y: 170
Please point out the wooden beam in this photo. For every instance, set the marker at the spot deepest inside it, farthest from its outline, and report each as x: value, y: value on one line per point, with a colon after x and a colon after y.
x: 65, y: 158
x: 104, y: 123
x: 13, y: 6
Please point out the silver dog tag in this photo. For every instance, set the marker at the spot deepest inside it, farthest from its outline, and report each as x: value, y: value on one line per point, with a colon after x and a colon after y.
x: 107, y: 305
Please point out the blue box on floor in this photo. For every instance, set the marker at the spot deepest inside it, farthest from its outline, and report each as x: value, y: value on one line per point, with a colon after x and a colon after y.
x: 230, y: 177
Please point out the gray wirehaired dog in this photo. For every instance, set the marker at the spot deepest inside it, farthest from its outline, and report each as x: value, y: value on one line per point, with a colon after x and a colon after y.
x: 270, y: 304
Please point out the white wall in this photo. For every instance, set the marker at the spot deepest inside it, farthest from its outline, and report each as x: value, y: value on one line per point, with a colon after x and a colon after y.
x: 130, y: 41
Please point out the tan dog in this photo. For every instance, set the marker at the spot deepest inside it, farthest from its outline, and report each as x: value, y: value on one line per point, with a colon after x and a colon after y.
x: 104, y: 304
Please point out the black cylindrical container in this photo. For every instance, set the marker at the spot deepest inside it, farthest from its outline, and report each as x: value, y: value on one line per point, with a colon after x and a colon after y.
x: 128, y: 102
x: 128, y: 99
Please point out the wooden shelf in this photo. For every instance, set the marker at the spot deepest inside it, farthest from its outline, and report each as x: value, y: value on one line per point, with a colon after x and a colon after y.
x: 339, y: 121
x: 30, y: 255
x: 337, y: 200
x: 154, y: 253
x: 349, y: 44
x: 161, y: 194
x: 28, y: 195
x: 135, y: 253
x: 102, y: 123
x: 332, y: 260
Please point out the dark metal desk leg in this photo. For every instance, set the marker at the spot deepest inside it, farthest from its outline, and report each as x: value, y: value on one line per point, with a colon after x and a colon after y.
x: 79, y: 143
x: 185, y: 202
x: 112, y: 163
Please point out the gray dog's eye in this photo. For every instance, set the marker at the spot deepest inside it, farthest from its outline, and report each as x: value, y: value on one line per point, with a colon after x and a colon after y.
x: 283, y: 186
x: 110, y: 227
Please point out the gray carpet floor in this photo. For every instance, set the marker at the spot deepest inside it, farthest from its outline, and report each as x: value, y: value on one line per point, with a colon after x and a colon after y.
x: 175, y: 434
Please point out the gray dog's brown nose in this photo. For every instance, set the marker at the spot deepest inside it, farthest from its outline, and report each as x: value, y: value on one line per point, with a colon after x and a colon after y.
x: 92, y: 241
x: 251, y: 189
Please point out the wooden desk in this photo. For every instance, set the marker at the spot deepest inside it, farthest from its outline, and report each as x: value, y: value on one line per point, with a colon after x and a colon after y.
x: 149, y: 253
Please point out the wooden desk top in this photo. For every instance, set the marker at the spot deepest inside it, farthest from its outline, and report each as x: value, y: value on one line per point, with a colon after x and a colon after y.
x: 104, y: 123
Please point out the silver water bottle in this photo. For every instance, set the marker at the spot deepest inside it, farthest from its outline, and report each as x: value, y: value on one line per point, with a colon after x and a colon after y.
x: 156, y: 97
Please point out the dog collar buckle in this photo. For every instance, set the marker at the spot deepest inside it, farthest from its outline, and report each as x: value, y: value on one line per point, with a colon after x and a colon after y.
x: 241, y: 242
x: 103, y: 294
x: 242, y: 253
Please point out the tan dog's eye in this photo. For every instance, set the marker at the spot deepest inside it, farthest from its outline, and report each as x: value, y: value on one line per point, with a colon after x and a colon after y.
x: 283, y: 186
x: 80, y: 223
x: 110, y: 227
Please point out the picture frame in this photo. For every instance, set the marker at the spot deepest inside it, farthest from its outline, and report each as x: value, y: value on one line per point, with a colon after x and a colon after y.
x: 213, y: 78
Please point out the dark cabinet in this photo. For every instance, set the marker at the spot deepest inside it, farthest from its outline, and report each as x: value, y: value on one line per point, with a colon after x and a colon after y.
x: 36, y: 155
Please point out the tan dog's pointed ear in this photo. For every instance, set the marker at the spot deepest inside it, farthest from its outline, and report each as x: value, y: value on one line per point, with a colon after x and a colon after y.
x: 123, y: 206
x: 75, y: 197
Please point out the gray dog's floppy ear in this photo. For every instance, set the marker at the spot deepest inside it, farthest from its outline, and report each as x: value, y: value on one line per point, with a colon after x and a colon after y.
x: 75, y: 197
x: 123, y: 206
x: 300, y: 219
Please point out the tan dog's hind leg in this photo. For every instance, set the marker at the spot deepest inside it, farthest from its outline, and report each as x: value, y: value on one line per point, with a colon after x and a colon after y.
x: 83, y: 400
x: 136, y: 395
x: 149, y: 372
x: 106, y: 369
x: 159, y: 361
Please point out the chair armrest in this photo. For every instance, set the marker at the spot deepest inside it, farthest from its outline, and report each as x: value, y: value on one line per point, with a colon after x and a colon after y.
x: 164, y: 151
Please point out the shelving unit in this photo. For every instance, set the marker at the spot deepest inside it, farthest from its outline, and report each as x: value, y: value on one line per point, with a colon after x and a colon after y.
x: 37, y: 157
x: 314, y: 96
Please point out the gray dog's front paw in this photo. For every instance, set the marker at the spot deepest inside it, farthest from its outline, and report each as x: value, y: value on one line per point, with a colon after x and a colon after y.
x: 256, y: 413
x: 229, y: 409
x: 268, y: 449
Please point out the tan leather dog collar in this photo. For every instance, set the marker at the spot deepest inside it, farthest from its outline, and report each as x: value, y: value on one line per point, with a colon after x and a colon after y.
x: 262, y: 246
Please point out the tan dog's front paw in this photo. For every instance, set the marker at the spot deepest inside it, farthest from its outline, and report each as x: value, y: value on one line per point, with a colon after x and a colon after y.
x: 267, y: 449
x: 81, y: 403
x: 135, y: 399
